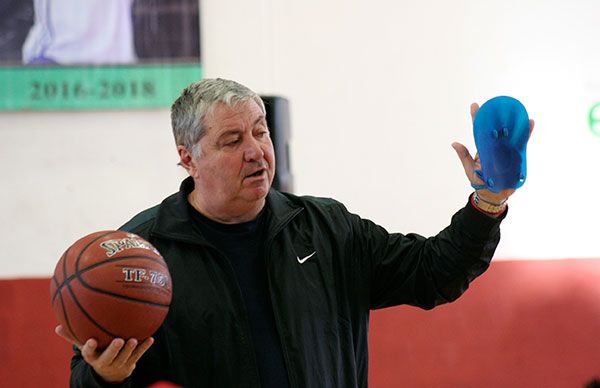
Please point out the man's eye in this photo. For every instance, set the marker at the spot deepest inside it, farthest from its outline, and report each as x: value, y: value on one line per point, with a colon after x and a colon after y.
x: 232, y: 143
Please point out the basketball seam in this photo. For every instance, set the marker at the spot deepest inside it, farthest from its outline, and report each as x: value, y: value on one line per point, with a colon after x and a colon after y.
x: 63, y: 309
x: 84, y: 311
x: 67, y: 320
x: 113, y: 294
x: 65, y: 257
x: 152, y: 258
x: 119, y: 296
x: 86, y: 248
x: 77, y: 273
x: 88, y: 316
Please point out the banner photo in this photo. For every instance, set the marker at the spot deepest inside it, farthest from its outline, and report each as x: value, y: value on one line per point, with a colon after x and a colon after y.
x: 97, y: 54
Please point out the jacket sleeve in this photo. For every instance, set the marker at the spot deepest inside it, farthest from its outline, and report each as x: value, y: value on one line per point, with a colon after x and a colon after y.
x: 83, y: 375
x: 152, y: 367
x: 425, y: 272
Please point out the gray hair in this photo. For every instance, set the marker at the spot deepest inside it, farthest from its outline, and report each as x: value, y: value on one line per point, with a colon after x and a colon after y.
x: 197, y: 100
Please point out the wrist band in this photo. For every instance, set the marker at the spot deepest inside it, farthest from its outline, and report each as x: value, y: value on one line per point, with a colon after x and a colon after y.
x: 481, y: 199
x: 487, y: 206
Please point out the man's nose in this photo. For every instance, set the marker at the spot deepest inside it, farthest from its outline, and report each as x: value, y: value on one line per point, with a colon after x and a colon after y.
x: 253, y: 150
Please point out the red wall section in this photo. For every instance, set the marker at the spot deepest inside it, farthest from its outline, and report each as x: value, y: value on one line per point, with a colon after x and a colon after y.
x: 522, y: 324
x: 31, y: 355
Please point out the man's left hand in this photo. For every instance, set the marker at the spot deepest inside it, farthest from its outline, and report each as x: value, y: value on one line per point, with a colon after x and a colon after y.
x: 471, y: 164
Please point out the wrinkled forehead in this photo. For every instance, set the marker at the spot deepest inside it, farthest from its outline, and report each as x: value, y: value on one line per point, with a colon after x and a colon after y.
x: 237, y: 115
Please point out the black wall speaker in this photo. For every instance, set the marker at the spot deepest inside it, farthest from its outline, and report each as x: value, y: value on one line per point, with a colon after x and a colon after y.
x: 278, y: 120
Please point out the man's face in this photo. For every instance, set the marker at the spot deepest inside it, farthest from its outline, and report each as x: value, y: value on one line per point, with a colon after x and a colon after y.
x: 237, y: 163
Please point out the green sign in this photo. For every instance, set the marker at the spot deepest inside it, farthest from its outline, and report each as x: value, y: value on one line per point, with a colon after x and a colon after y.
x: 102, y: 87
x: 594, y: 119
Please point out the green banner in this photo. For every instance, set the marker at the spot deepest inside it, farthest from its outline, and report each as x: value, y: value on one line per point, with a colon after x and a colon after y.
x: 102, y: 87
x: 594, y: 119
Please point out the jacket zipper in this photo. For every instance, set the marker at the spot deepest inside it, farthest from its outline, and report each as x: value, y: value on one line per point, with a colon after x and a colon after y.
x: 278, y: 323
x: 244, y: 318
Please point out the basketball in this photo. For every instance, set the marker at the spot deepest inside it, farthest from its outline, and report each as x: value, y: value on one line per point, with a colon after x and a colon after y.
x: 111, y: 284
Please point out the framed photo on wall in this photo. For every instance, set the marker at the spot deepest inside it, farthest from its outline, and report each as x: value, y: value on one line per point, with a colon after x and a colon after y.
x: 97, y: 54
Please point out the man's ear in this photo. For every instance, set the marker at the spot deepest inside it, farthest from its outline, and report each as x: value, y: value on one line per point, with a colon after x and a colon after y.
x: 186, y: 160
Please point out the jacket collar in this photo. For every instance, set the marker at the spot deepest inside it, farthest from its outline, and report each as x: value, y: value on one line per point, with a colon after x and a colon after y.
x: 174, y: 220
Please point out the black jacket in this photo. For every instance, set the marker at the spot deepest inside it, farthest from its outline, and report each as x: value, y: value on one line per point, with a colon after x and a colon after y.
x: 321, y: 306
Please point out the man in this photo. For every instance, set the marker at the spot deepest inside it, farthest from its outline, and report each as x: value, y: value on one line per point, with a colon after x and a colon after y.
x: 272, y: 289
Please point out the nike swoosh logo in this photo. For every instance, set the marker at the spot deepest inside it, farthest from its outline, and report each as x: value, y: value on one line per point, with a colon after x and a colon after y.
x: 301, y: 261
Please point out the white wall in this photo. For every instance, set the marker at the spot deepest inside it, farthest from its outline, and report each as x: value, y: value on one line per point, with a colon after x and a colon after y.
x: 378, y: 91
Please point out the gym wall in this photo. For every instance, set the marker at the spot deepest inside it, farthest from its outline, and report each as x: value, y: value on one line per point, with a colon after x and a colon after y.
x: 377, y: 92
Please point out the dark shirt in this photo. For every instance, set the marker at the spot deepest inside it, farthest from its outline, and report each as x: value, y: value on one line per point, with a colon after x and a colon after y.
x: 243, y: 244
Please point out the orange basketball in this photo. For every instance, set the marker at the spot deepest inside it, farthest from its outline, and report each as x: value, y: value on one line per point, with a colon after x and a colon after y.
x: 111, y: 284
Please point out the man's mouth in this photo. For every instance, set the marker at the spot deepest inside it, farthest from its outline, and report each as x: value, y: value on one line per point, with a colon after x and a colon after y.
x: 256, y: 174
